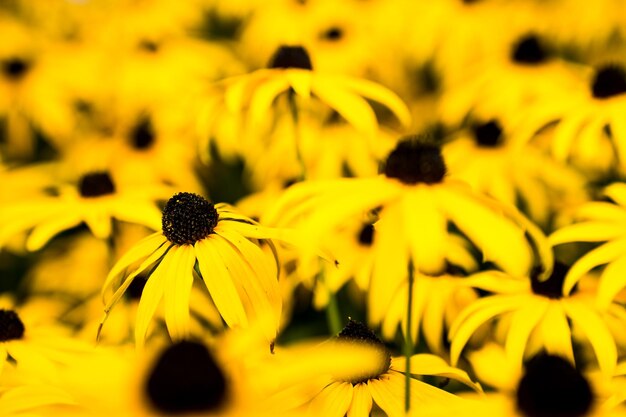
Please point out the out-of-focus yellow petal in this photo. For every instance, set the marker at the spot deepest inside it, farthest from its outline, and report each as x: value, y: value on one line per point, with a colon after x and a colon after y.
x: 523, y: 322
x: 177, y: 289
x: 591, y: 231
x: 612, y: 281
x: 361, y: 405
x: 601, y: 255
x: 333, y: 401
x: 555, y: 332
x: 427, y: 364
x: 43, y: 232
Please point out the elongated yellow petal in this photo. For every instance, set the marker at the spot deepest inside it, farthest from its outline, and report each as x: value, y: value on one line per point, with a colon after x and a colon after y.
x: 600, y: 210
x: 618, y: 131
x: 601, y: 255
x: 98, y: 221
x: 262, y: 100
x: 523, y: 322
x: 144, y: 213
x: 361, y: 405
x: 617, y: 193
x: 427, y: 364
x: 613, y: 280
x: 555, y: 332
x: 592, y: 325
x: 333, y: 401
x: 566, y: 133
x: 426, y: 230
x: 493, y: 367
x: 496, y: 282
x: 220, y: 284
x: 438, y: 299
x: 261, y: 309
x: 352, y: 107
x: 475, y: 315
x: 377, y: 92
x: 152, y: 294
x: 43, y: 232
x: 21, y: 399
x: 591, y: 231
x: 178, y: 284
x: 260, y: 264
x: 300, y: 81
x: 488, y: 229
x: 390, y: 401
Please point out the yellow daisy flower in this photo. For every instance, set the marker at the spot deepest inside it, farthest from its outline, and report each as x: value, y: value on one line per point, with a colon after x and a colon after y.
x: 95, y: 199
x: 355, y: 394
x: 291, y: 70
x: 599, y: 221
x: 585, y: 114
x: 485, y: 157
x: 417, y: 203
x: 209, y: 241
x: 537, y: 313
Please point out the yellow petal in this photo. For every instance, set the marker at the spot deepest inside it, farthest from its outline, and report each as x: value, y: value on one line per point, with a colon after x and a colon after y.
x: 566, y: 133
x: 427, y: 364
x: 600, y: 210
x: 426, y: 230
x: 617, y: 193
x: 601, y: 255
x: 300, y: 81
x: 523, y: 322
x: 152, y: 294
x: 493, y: 367
x: 377, y: 92
x: 487, y: 228
x: 333, y: 401
x: 352, y: 107
x: 43, y: 232
x: 220, y: 284
x: 613, y: 280
x: 591, y: 231
x: 475, y: 315
x: 262, y: 99
x: 555, y: 332
x: 592, y: 325
x: 389, y: 400
x: 361, y: 405
x: 98, y: 221
x: 178, y: 284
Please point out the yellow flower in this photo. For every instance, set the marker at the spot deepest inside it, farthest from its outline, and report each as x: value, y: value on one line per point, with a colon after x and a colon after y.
x: 291, y: 70
x: 96, y: 199
x: 599, y: 222
x: 383, y: 384
x: 537, y: 314
x: 417, y: 204
x: 214, y: 242
x: 489, y: 160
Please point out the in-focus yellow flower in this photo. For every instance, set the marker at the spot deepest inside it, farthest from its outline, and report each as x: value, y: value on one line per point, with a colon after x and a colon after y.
x: 538, y: 315
x: 291, y: 70
x: 417, y: 204
x: 355, y: 394
x: 599, y: 221
x: 96, y: 200
x: 493, y: 164
x: 209, y: 241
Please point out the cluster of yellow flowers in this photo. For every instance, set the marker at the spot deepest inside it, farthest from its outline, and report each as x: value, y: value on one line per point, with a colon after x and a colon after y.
x: 312, y: 207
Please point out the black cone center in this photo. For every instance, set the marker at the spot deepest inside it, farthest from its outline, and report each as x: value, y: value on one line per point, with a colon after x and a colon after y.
x: 11, y: 327
x: 529, y: 51
x: 185, y: 379
x: 552, y: 387
x: 187, y: 218
x: 553, y: 286
x: 609, y: 81
x: 413, y: 161
x: 143, y: 136
x: 366, y: 235
x: 488, y: 135
x: 96, y: 184
x: 291, y: 57
x: 15, y: 68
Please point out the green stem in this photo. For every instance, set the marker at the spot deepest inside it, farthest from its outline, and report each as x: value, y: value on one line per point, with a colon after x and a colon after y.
x: 293, y: 109
x: 333, y: 315
x: 408, y: 345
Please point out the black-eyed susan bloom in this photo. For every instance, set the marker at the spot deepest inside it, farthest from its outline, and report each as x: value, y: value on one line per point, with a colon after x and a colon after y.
x: 96, y: 199
x: 418, y: 203
x: 214, y: 242
x: 291, y: 69
x: 356, y: 393
x: 599, y: 221
x: 549, y: 385
x: 538, y: 316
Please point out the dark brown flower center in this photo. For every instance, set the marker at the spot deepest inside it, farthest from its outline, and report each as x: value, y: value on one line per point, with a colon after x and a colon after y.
x: 609, y: 81
x: 356, y: 332
x: 187, y: 218
x: 553, y: 286
x: 332, y: 34
x: 552, y: 387
x: 142, y: 135
x: 291, y: 57
x: 529, y: 51
x: 15, y: 68
x: 366, y: 234
x: 11, y: 327
x: 96, y: 184
x: 413, y: 161
x: 488, y: 135
x: 186, y: 379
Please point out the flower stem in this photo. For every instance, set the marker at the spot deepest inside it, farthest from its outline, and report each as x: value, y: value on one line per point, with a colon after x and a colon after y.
x: 333, y: 315
x: 408, y: 342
